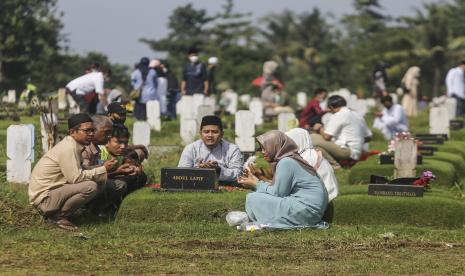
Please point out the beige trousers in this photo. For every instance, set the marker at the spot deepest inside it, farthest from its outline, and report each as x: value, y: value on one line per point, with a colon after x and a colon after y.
x: 68, y: 198
x: 330, y: 150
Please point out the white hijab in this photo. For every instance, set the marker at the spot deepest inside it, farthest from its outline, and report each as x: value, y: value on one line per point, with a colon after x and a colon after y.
x: 314, y: 157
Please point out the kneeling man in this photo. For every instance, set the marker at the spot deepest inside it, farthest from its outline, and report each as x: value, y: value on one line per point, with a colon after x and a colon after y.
x: 58, y: 185
x: 391, y: 120
x: 212, y: 151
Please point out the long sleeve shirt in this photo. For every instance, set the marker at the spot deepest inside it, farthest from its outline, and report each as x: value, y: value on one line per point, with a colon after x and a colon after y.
x: 394, y: 117
x: 455, y: 83
x: 227, y: 155
x: 61, y: 166
x: 311, y: 110
x: 148, y: 87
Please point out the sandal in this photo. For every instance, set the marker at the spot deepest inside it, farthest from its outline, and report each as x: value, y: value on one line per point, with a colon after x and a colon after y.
x: 65, y: 224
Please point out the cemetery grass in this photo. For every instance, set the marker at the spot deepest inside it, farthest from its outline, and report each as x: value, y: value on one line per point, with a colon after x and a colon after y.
x: 184, y: 234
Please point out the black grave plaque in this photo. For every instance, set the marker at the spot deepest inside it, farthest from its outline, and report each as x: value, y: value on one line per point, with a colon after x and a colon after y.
x: 456, y: 124
x: 432, y: 139
x: 395, y: 190
x: 387, y: 159
x: 188, y: 179
x: 427, y: 150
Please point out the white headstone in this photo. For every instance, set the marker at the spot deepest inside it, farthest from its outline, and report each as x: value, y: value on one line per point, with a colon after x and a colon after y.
x: 186, y: 108
x: 12, y: 96
x: 20, y: 148
x: 22, y: 104
x: 302, y: 99
x: 204, y: 110
x: 360, y: 106
x: 451, y: 105
x: 211, y: 101
x: 5, y: 99
x: 245, y: 99
x: 141, y: 133
x: 286, y: 121
x: 51, y: 120
x: 395, y: 98
x: 405, y: 158
x: 245, y: 130
x: 232, y: 100
x: 153, y: 115
x: 188, y: 130
x: 197, y: 100
x: 256, y: 106
x: 439, y: 120
x: 62, y: 103
x: 73, y: 106
x: 371, y: 102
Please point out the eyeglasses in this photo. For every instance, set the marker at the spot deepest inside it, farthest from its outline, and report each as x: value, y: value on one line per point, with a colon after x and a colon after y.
x: 88, y: 130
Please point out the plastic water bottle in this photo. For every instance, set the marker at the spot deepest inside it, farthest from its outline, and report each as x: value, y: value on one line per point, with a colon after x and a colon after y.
x: 250, y: 227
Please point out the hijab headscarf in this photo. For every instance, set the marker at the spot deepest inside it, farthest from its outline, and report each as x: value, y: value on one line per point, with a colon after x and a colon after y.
x: 278, y: 145
x: 409, y: 77
x: 144, y: 67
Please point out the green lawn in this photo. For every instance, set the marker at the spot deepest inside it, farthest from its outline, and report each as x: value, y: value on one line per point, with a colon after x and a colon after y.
x: 185, y: 233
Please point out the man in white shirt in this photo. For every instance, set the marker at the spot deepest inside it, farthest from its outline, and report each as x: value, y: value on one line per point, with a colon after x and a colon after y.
x: 455, y: 83
x: 391, y: 120
x: 87, y: 88
x: 344, y: 135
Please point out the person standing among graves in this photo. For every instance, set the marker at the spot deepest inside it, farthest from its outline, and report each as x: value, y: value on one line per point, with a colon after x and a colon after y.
x: 348, y: 130
x: 211, y: 72
x: 455, y: 83
x: 410, y: 83
x: 162, y: 85
x: 212, y: 151
x: 312, y: 112
x: 295, y: 197
x: 379, y: 80
x: 144, y: 81
x: 174, y: 94
x: 88, y: 89
x: 194, y: 77
x: 391, y: 120
x: 58, y: 185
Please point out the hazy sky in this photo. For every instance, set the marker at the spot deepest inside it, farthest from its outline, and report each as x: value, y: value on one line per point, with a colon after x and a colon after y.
x: 114, y: 27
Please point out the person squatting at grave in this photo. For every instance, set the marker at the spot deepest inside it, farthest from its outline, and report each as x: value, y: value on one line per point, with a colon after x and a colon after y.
x: 88, y: 89
x: 111, y: 192
x: 295, y: 198
x: 128, y: 172
x: 143, y: 80
x: 194, y: 76
x: 391, y: 120
x: 58, y: 185
x: 312, y: 112
x: 117, y: 114
x: 275, y: 100
x: 346, y: 128
x: 212, y: 151
x: 456, y: 86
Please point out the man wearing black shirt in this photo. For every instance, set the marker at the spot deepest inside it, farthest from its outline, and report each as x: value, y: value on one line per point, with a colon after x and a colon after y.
x: 194, y: 77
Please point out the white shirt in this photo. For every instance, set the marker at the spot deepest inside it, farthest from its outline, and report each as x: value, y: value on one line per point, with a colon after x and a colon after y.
x: 455, y: 83
x: 394, y: 117
x: 87, y: 83
x: 349, y: 130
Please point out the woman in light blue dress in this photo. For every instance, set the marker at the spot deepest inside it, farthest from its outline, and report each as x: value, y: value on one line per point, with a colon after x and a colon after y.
x: 295, y: 198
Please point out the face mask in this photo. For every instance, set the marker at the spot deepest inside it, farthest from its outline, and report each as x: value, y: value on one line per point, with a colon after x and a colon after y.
x: 193, y: 59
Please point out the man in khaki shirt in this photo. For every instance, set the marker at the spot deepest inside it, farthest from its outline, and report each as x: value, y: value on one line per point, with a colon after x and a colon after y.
x: 58, y: 185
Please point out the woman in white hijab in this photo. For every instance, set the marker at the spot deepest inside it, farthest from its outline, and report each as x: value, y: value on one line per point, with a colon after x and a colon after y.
x: 315, y: 158
x: 410, y: 83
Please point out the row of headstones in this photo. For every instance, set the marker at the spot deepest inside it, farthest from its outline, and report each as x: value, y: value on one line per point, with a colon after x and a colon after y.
x: 10, y: 97
x: 440, y: 115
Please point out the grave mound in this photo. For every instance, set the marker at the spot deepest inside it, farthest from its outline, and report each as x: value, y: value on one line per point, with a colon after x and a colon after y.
x: 436, y: 209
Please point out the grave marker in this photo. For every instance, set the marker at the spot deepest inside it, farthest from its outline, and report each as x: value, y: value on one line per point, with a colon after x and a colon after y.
x: 302, y: 99
x: 245, y: 130
x: 405, y: 158
x: 286, y: 121
x: 153, y: 115
x: 62, y: 103
x: 20, y: 152
x: 12, y: 96
x: 232, y: 98
x: 451, y: 105
x: 439, y: 120
x: 245, y: 99
x: 204, y: 110
x: 197, y: 100
x: 256, y: 106
x: 188, y: 130
x: 185, y: 108
x: 141, y: 133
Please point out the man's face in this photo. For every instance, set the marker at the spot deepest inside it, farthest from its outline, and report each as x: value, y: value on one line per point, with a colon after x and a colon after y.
x: 117, y: 145
x: 84, y: 134
x: 387, y: 104
x: 102, y: 135
x: 211, y: 135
